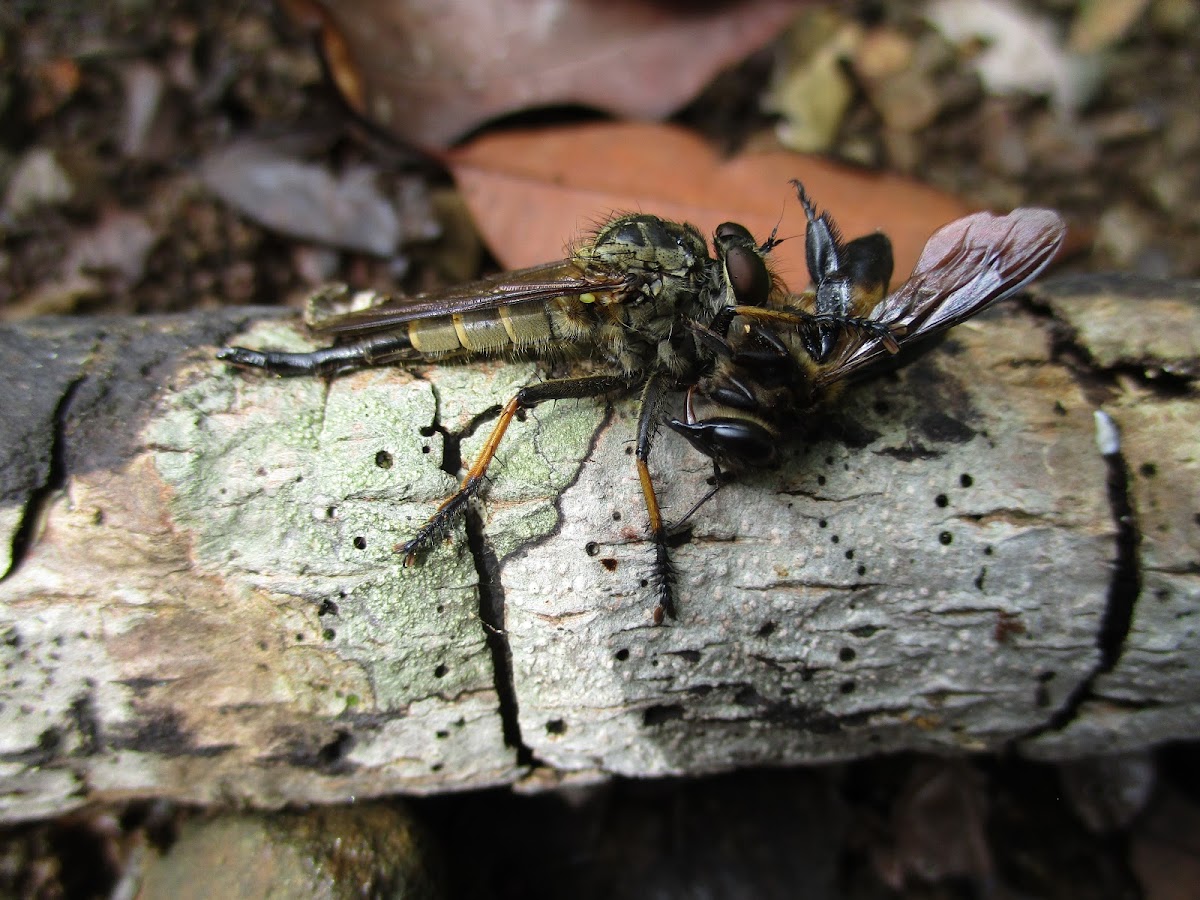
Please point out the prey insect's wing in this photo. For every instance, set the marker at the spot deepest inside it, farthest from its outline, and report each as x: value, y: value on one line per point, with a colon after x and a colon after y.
x: 564, y: 278
x: 965, y: 267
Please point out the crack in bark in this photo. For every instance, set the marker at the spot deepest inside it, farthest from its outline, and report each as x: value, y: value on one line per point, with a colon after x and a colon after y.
x: 1096, y: 378
x: 490, y: 588
x: 491, y: 615
x: 1123, y: 590
x: 1125, y: 582
x: 55, y: 480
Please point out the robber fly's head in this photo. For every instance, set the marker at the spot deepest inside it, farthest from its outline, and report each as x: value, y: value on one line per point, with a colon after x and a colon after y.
x: 742, y: 275
x: 743, y: 266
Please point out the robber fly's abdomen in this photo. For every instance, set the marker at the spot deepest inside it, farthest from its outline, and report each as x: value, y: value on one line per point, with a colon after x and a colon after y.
x: 533, y: 327
x: 526, y: 327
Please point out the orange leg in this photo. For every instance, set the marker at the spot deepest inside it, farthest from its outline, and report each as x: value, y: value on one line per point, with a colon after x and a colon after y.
x: 527, y: 398
x: 663, y: 573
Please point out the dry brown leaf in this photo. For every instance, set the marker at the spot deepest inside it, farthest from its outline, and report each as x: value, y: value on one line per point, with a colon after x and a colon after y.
x: 534, y: 191
x: 429, y: 71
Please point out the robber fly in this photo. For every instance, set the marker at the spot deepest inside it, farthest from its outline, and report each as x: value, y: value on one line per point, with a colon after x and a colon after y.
x: 652, y: 310
x: 620, y: 301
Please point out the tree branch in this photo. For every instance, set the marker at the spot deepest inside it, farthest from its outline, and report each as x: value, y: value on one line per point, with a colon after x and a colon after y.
x: 204, y: 602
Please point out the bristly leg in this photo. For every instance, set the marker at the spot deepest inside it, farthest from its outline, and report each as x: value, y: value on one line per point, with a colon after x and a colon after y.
x: 455, y: 505
x: 438, y: 525
x: 663, y: 579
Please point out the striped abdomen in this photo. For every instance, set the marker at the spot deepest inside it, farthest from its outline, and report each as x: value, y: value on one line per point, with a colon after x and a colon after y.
x: 532, y: 327
x: 528, y: 326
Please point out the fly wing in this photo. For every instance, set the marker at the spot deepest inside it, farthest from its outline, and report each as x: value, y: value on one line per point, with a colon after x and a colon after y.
x: 563, y: 278
x: 966, y: 266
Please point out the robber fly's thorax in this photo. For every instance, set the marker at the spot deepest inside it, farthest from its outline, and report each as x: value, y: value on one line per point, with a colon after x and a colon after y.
x: 665, y: 267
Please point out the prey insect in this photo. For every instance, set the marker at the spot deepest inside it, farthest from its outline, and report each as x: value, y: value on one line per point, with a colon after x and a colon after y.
x: 776, y: 358
x: 646, y: 307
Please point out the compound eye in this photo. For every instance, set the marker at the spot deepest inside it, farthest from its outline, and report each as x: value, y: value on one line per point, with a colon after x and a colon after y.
x: 748, y: 275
